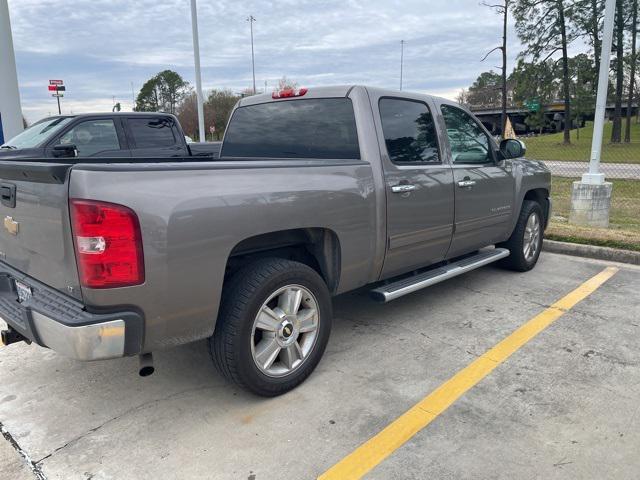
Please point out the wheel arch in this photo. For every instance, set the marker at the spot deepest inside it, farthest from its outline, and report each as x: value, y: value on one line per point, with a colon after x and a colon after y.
x: 541, y: 196
x: 319, y: 248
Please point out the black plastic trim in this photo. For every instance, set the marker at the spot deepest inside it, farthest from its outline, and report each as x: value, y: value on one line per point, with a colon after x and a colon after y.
x: 61, y: 308
x: 38, y: 172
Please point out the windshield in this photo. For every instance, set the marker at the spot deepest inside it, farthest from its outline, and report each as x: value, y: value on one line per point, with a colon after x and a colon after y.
x: 38, y: 132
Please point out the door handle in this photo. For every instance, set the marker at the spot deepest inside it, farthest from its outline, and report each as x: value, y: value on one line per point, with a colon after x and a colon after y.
x: 403, y: 188
x: 466, y: 183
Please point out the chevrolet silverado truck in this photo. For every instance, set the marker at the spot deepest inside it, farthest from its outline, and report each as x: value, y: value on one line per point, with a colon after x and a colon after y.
x: 316, y: 192
x: 107, y: 135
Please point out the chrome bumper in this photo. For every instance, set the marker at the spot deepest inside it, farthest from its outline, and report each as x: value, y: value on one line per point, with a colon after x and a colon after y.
x: 54, y: 320
x: 86, y: 342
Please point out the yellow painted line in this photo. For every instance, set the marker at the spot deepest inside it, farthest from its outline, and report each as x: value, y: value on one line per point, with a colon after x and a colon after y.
x: 379, y: 447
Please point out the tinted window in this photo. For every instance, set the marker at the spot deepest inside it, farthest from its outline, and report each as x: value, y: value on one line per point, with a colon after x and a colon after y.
x: 409, y: 132
x: 152, y: 132
x: 92, y: 136
x: 322, y: 128
x: 469, y: 143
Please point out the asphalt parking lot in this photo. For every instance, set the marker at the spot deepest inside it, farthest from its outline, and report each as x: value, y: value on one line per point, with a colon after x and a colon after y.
x: 563, y: 405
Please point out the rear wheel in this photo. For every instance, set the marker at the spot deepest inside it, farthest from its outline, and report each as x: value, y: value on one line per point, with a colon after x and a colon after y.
x: 525, y: 242
x: 273, y: 327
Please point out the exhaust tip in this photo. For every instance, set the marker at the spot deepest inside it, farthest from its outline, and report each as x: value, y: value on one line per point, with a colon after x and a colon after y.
x: 146, y: 371
x: 146, y: 365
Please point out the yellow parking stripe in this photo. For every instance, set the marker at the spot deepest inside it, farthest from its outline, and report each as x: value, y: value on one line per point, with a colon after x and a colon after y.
x: 379, y: 447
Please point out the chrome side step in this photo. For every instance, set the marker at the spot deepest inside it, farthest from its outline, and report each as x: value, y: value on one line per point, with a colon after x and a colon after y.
x: 396, y: 289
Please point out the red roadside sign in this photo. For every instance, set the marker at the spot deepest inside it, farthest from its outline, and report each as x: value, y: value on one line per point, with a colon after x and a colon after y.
x: 53, y: 88
x: 56, y: 82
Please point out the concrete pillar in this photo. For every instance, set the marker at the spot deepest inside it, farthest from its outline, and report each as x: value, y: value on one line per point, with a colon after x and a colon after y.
x: 10, y: 111
x: 590, y: 204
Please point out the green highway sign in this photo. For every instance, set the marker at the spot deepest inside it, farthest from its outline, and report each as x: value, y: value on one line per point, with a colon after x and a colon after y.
x: 532, y: 105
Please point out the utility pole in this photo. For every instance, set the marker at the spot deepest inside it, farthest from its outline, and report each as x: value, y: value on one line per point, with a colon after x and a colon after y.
x: 503, y: 114
x: 401, y: 61
x: 591, y: 197
x: 252, y: 19
x: 196, y: 58
x: 10, y: 111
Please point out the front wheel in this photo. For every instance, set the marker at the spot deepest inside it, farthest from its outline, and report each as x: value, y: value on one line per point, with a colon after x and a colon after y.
x: 525, y: 242
x: 273, y: 327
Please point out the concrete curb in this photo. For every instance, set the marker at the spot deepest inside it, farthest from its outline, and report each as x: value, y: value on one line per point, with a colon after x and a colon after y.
x: 592, y: 251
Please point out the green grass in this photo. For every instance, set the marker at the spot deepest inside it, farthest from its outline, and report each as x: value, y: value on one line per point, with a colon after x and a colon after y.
x: 625, y: 201
x: 552, y: 233
x: 550, y: 146
x: 624, y: 221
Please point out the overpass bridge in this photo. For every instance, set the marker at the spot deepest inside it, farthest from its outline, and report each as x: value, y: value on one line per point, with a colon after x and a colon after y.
x: 553, y: 112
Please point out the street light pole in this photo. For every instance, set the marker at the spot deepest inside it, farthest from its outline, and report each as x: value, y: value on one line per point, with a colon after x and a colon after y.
x: 401, y: 61
x: 10, y: 111
x: 594, y: 177
x: 591, y: 197
x: 252, y: 19
x: 196, y: 58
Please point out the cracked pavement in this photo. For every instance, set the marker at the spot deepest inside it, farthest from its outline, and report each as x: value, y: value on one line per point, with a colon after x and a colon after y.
x: 564, y: 406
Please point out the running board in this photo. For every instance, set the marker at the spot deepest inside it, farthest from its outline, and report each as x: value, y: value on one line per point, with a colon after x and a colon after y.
x: 396, y: 289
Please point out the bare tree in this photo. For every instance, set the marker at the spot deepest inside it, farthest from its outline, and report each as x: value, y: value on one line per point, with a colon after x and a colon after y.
x: 502, y: 9
x: 286, y: 83
x: 463, y: 97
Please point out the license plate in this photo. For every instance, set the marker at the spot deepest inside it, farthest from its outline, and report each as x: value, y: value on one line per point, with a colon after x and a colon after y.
x: 24, y: 291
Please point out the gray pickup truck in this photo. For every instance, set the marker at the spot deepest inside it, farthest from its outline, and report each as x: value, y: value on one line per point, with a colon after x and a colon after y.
x: 316, y: 192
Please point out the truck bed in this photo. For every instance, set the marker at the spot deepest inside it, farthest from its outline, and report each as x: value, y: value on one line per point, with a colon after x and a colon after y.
x: 188, y: 209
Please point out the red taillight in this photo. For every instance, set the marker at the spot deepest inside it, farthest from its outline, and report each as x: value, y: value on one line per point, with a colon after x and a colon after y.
x: 289, y: 92
x: 108, y: 244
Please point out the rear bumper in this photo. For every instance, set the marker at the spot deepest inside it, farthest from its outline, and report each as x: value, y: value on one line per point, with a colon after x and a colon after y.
x: 54, y: 320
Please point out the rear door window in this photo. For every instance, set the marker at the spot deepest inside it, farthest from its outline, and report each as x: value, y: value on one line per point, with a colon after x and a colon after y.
x: 152, y: 132
x: 315, y: 128
x: 409, y: 131
x: 92, y: 137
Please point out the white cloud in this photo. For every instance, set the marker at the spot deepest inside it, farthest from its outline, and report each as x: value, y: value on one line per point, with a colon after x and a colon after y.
x: 100, y: 47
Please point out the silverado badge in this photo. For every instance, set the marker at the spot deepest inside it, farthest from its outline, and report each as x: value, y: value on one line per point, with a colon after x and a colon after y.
x: 11, y: 225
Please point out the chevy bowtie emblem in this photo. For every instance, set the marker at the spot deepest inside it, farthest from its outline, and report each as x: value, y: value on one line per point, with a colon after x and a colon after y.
x: 11, y: 225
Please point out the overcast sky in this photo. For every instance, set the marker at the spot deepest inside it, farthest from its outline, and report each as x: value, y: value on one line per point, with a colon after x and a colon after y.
x: 101, y: 47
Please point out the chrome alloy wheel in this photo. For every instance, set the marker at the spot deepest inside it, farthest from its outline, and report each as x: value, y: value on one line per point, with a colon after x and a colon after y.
x: 285, y: 330
x: 531, y: 241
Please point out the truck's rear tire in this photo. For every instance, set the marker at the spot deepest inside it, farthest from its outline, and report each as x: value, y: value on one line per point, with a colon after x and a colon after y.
x: 525, y: 242
x: 273, y: 326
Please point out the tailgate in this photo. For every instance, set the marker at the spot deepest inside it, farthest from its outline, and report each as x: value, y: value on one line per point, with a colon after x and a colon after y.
x: 35, y: 233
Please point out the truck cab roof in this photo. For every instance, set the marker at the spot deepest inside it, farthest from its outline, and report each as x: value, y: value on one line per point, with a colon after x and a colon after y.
x: 335, y: 91
x: 111, y: 114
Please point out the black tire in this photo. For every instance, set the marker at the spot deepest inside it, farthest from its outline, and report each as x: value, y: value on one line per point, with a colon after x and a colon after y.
x: 231, y: 344
x: 517, y: 260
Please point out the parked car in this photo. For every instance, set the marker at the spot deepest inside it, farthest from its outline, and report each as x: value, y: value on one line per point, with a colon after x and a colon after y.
x: 104, y: 135
x: 316, y: 192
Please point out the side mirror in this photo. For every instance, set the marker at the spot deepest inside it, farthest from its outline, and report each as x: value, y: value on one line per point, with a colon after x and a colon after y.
x: 512, y: 148
x: 66, y: 151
